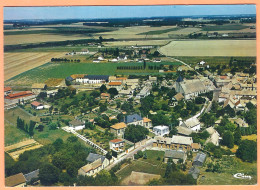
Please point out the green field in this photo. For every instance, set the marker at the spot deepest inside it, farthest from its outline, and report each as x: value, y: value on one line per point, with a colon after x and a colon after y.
x: 229, y: 167
x: 224, y: 27
x: 150, y: 165
x: 62, y: 70
x: 157, y: 32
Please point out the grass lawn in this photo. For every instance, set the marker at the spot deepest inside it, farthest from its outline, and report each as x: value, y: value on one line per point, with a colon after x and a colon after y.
x: 12, y: 114
x: 230, y: 166
x: 140, y: 166
x: 152, y: 156
x: 224, y: 27
x: 62, y: 70
x: 13, y: 134
x: 252, y: 137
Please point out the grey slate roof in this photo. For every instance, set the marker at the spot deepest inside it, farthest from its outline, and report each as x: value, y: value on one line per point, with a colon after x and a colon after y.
x: 193, y: 86
x: 132, y: 118
x: 200, y: 157
x: 97, y: 77
x: 69, y: 78
x: 179, y: 79
x: 194, y: 171
x: 93, y: 157
x: 31, y: 175
x: 175, y: 154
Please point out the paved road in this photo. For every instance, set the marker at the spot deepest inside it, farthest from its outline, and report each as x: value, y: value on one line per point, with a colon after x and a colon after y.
x: 131, y: 154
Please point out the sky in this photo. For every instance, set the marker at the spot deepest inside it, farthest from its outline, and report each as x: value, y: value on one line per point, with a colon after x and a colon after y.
x: 89, y: 12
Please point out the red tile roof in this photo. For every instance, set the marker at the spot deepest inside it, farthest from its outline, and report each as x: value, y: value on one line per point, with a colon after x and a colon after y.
x: 116, y: 140
x: 7, y: 88
x: 115, y: 83
x: 36, y: 103
x: 19, y: 95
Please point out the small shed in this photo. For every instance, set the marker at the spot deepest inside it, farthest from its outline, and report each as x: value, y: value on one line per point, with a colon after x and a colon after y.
x: 199, y: 159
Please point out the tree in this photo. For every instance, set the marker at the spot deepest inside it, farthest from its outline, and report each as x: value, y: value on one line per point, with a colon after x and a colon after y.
x: 103, y: 88
x: 135, y: 133
x: 200, y: 100
x: 48, y: 174
x: 228, y: 139
x: 247, y: 151
x: 237, y: 136
x: 100, y: 39
x: 102, y: 107
x: 112, y: 91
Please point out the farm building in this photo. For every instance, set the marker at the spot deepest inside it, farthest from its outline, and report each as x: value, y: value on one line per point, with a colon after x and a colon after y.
x: 32, y: 175
x: 174, y: 143
x: 17, y: 180
x: 144, y: 92
x: 7, y: 90
x: 214, y: 136
x: 77, y: 125
x: 93, y: 79
x: 191, y: 123
x: 37, y: 105
x: 190, y: 88
x: 195, y: 172
x: 161, y: 130
x: 184, y: 131
x: 19, y: 95
x: 117, y: 145
x: 118, y: 129
x: 199, y: 159
x: 37, y: 88
x: 175, y: 155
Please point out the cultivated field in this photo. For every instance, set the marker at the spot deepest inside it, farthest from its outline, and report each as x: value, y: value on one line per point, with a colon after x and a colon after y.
x: 16, y: 63
x: 37, y: 38
x: 139, y: 178
x: 210, y: 48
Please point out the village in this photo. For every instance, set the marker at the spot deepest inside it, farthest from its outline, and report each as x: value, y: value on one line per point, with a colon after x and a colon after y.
x: 130, y: 117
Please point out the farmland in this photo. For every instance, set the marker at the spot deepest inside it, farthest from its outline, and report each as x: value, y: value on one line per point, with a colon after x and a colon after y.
x: 16, y: 63
x: 62, y: 70
x: 210, y: 48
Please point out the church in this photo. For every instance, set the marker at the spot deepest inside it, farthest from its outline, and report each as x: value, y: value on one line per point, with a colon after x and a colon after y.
x: 190, y: 88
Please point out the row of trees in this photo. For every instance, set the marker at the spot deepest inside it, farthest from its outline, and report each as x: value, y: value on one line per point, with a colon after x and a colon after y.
x: 65, y: 60
x: 20, y: 123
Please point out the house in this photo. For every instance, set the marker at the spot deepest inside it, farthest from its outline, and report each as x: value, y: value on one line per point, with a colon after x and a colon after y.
x: 37, y: 105
x: 93, y: 168
x: 195, y: 172
x: 144, y: 92
x: 117, y: 145
x: 147, y: 123
x: 174, y: 143
x: 184, y: 131
x: 77, y: 125
x: 157, y: 60
x: 114, y: 60
x: 191, y: 123
x: 241, y: 123
x: 93, y: 157
x: 96, y: 60
x: 161, y: 130
x: 152, y: 79
x: 116, y: 85
x: 133, y: 119
x: 199, y: 159
x: 190, y: 88
x: 175, y: 155
x: 19, y: 95
x: 32, y: 175
x: 122, y: 57
x: 105, y: 96
x: 195, y: 147
x: 37, y: 88
x: 118, y: 129
x: 17, y: 180
x: 7, y: 90
x: 214, y: 136
x: 100, y: 58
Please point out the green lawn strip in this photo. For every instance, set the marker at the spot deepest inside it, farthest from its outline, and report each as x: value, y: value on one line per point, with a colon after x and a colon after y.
x: 224, y: 27
x: 156, y: 32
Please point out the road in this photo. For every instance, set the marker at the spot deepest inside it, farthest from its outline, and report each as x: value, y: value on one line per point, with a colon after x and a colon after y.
x: 131, y: 154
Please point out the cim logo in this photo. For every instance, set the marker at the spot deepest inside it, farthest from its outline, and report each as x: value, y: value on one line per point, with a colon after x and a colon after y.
x: 242, y: 176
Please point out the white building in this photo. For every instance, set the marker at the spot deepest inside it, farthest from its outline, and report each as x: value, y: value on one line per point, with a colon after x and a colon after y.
x: 117, y: 145
x: 161, y: 130
x: 93, y: 79
x: 77, y: 125
x: 191, y: 123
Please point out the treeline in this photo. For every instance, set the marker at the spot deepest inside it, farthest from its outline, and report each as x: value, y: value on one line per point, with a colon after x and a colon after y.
x: 65, y: 60
x: 20, y: 123
x: 129, y: 67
